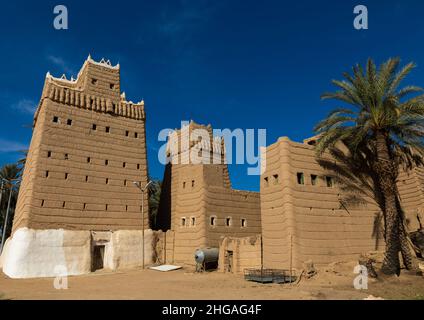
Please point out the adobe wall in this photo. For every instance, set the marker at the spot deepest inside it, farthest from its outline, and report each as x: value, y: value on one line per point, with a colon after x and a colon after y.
x: 193, y: 193
x: 411, y: 190
x: 308, y: 222
x: 78, y: 176
x: 246, y: 253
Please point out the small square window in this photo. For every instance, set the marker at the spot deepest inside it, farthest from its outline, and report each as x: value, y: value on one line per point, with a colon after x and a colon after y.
x: 69, y: 122
x: 107, y: 129
x: 314, y: 179
x: 329, y: 181
x: 300, y: 178
x: 94, y: 127
x: 55, y: 119
x: 106, y: 162
x: 243, y: 223
x: 275, y: 178
x: 228, y: 221
x: 49, y: 154
x: 94, y: 81
x: 212, y: 221
x: 112, y: 86
x: 266, y: 182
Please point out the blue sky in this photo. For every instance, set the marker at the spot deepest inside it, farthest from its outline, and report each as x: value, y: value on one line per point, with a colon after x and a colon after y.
x: 233, y: 63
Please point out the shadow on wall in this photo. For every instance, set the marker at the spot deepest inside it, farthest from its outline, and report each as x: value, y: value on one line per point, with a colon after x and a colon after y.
x: 163, y: 219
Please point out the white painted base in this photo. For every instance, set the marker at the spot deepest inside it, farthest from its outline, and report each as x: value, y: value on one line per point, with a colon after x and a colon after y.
x: 49, y: 253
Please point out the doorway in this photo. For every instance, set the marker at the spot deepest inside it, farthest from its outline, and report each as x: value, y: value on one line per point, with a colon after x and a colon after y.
x: 98, y: 257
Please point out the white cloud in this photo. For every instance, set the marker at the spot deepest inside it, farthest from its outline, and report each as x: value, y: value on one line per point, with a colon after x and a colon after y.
x: 25, y: 106
x: 61, y: 63
x: 11, y: 146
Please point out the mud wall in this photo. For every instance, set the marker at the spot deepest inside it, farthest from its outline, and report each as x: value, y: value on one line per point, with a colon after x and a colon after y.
x: 307, y: 220
x: 88, y: 147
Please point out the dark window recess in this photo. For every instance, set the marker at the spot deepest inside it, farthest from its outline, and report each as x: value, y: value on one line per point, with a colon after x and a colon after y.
x: 88, y: 159
x: 66, y: 176
x: 66, y: 156
x: 94, y: 81
x: 135, y: 135
x: 47, y: 174
x: 55, y: 119
x: 275, y: 178
x: 300, y: 178
x: 112, y: 86
x: 192, y: 183
x: 126, y: 208
x: 69, y: 122
x: 314, y: 179
x: 193, y: 221
x: 184, y: 185
x: 85, y: 206
x: 107, y: 129
x: 106, y: 162
x: 329, y: 181
x: 124, y: 164
x: 228, y: 222
x: 49, y: 154
x: 183, y: 222
x: 107, y: 180
x: 42, y: 203
x: 106, y: 207
x: 91, y: 102
x: 243, y: 223
x: 125, y: 182
x: 94, y: 127
x: 86, y: 178
x: 213, y: 221
x: 63, y: 204
x: 127, y: 133
x: 138, y: 166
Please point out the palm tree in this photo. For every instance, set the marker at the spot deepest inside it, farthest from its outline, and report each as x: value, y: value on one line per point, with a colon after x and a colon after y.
x: 390, y: 122
x: 12, y: 174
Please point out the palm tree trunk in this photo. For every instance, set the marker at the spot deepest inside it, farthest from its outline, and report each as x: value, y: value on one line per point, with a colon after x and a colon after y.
x: 387, y: 179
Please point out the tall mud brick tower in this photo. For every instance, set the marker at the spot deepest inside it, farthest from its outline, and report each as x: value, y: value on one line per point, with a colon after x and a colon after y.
x: 198, y: 205
x: 78, y: 209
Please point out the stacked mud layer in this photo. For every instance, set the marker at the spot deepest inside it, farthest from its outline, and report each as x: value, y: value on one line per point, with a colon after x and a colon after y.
x: 198, y: 204
x: 87, y: 149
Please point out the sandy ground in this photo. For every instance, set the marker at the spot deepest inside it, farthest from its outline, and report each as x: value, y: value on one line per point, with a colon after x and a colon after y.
x: 332, y: 282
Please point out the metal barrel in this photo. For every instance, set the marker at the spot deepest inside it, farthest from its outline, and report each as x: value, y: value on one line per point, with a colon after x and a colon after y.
x: 206, y: 255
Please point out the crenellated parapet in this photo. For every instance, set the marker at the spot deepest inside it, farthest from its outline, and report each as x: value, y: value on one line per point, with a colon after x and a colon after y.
x: 96, y: 88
